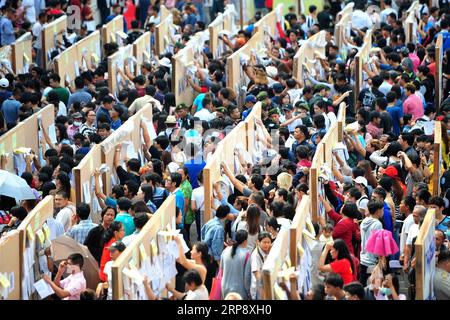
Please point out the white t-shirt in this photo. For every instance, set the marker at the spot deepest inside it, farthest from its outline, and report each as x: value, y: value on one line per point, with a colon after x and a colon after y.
x: 30, y: 11
x: 407, y: 223
x: 284, y: 223
x: 56, y: 228
x: 108, y: 271
x: 361, y: 20
x: 201, y: 293
x: 204, y: 115
x: 198, y: 195
x: 413, y: 232
x: 64, y: 216
x: 37, y: 32
x: 256, y: 265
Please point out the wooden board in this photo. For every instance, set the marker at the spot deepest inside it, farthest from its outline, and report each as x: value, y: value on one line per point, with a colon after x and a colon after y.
x: 66, y: 65
x: 22, y: 53
x: 274, y: 262
x: 91, y: 48
x: 142, y: 51
x: 83, y: 175
x: 34, y: 220
x: 425, y: 246
x: 117, y: 60
x: 297, y: 226
x: 129, y: 131
x: 410, y: 23
x: 108, y: 31
x: 216, y: 45
x: 163, y: 216
x: 10, y: 261
x: 236, y: 77
x: 341, y: 120
x: 162, y: 35
x: 313, y: 180
x: 50, y: 33
x: 438, y: 76
x: 329, y: 141
x: 268, y: 23
x: 180, y: 62
x: 437, y: 161
x: 344, y: 18
x: 305, y: 56
x: 361, y: 57
x: 25, y: 134
x: 164, y: 12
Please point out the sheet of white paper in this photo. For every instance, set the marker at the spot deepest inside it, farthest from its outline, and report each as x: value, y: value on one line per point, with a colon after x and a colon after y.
x: 19, y: 163
x: 43, y: 289
x: 86, y: 192
x: 183, y: 243
x: 172, y: 249
x: 169, y: 268
x: 428, y: 127
x: 52, y: 133
x: 43, y: 266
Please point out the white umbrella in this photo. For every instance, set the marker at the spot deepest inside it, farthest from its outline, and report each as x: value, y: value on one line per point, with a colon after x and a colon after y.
x: 13, y: 186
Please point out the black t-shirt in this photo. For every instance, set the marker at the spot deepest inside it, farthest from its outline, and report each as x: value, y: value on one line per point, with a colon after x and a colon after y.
x: 124, y: 176
x: 386, y: 121
x: 93, y: 242
x: 368, y: 96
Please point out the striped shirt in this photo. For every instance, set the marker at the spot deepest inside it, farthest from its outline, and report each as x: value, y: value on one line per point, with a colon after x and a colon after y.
x: 80, y: 231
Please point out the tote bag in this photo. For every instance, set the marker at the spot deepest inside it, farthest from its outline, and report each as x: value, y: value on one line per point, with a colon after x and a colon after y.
x: 216, y: 287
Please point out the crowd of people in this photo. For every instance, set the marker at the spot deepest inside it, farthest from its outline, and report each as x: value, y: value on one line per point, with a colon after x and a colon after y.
x: 383, y: 183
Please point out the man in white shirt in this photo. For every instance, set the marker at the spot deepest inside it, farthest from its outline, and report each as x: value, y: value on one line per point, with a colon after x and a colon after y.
x: 360, y: 19
x: 37, y: 36
x: 140, y: 219
x: 387, y: 10
x: 67, y: 213
x: 30, y: 11
x: 418, y: 216
x: 205, y: 114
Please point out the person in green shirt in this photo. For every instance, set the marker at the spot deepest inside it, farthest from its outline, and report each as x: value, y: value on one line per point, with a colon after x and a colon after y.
x: 123, y: 205
x: 63, y: 93
x: 186, y: 190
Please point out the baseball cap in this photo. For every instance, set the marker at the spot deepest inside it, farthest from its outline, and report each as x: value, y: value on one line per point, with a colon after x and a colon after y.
x: 171, y: 120
x: 288, y: 106
x: 180, y: 106
x: 361, y: 180
x: 118, y: 245
x: 146, y: 65
x: 77, y: 115
x: 272, y: 71
x: 4, y: 83
x: 320, y: 87
x: 165, y: 62
x: 277, y: 87
x: 391, y: 172
x: 250, y: 98
x: 273, y: 111
x: 262, y: 95
x: 222, y: 109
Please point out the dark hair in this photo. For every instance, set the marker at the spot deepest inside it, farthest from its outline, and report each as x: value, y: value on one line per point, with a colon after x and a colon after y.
x: 133, y: 187
x: 106, y: 209
x: 83, y: 210
x: 443, y: 256
x: 283, y: 193
x: 148, y: 192
x: 354, y: 193
x: 424, y: 195
x: 222, y: 211
x: 318, y: 291
x: 277, y: 208
x: 140, y: 219
x: 252, y: 218
x: 438, y: 201
x: 356, y: 288
x: 124, y: 204
x: 258, y: 181
x: 192, y: 276
x: 109, y: 233
x: 410, y: 202
x: 176, y: 177
x: 241, y: 236
x: 343, y: 253
x: 380, y: 191
x: 374, y: 205
x: 134, y: 165
x: 335, y: 280
x: 350, y: 209
x: 203, y: 249
x: 65, y: 182
x: 19, y: 212
x: 272, y: 222
x: 118, y: 191
x: 76, y: 259
x: 139, y: 206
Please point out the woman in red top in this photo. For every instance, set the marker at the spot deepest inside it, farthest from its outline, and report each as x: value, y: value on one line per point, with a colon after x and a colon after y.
x: 115, y: 232
x: 342, y: 264
x: 345, y: 227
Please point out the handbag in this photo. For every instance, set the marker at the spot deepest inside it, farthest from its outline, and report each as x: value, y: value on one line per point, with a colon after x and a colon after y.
x: 216, y: 287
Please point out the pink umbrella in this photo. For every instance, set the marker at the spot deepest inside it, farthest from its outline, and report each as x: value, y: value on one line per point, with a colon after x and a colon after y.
x: 381, y: 243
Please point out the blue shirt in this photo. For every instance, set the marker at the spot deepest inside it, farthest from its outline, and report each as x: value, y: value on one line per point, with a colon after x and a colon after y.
x: 194, y: 167
x: 387, y: 219
x: 116, y: 124
x: 127, y: 221
x: 10, y: 110
x: 6, y: 31
x: 445, y: 39
x: 179, y: 203
x: 396, y: 113
x: 198, y: 101
x: 159, y: 195
x: 443, y: 225
x: 3, y: 96
x: 213, y: 234
x: 102, y: 110
x: 79, y: 96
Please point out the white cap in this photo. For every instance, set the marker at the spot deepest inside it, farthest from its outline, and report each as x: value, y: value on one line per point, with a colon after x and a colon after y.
x: 4, y: 83
x: 272, y: 71
x: 165, y: 62
x: 361, y: 180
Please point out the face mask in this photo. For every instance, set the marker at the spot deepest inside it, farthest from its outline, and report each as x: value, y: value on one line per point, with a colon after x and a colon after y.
x: 77, y: 124
x: 385, y: 291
